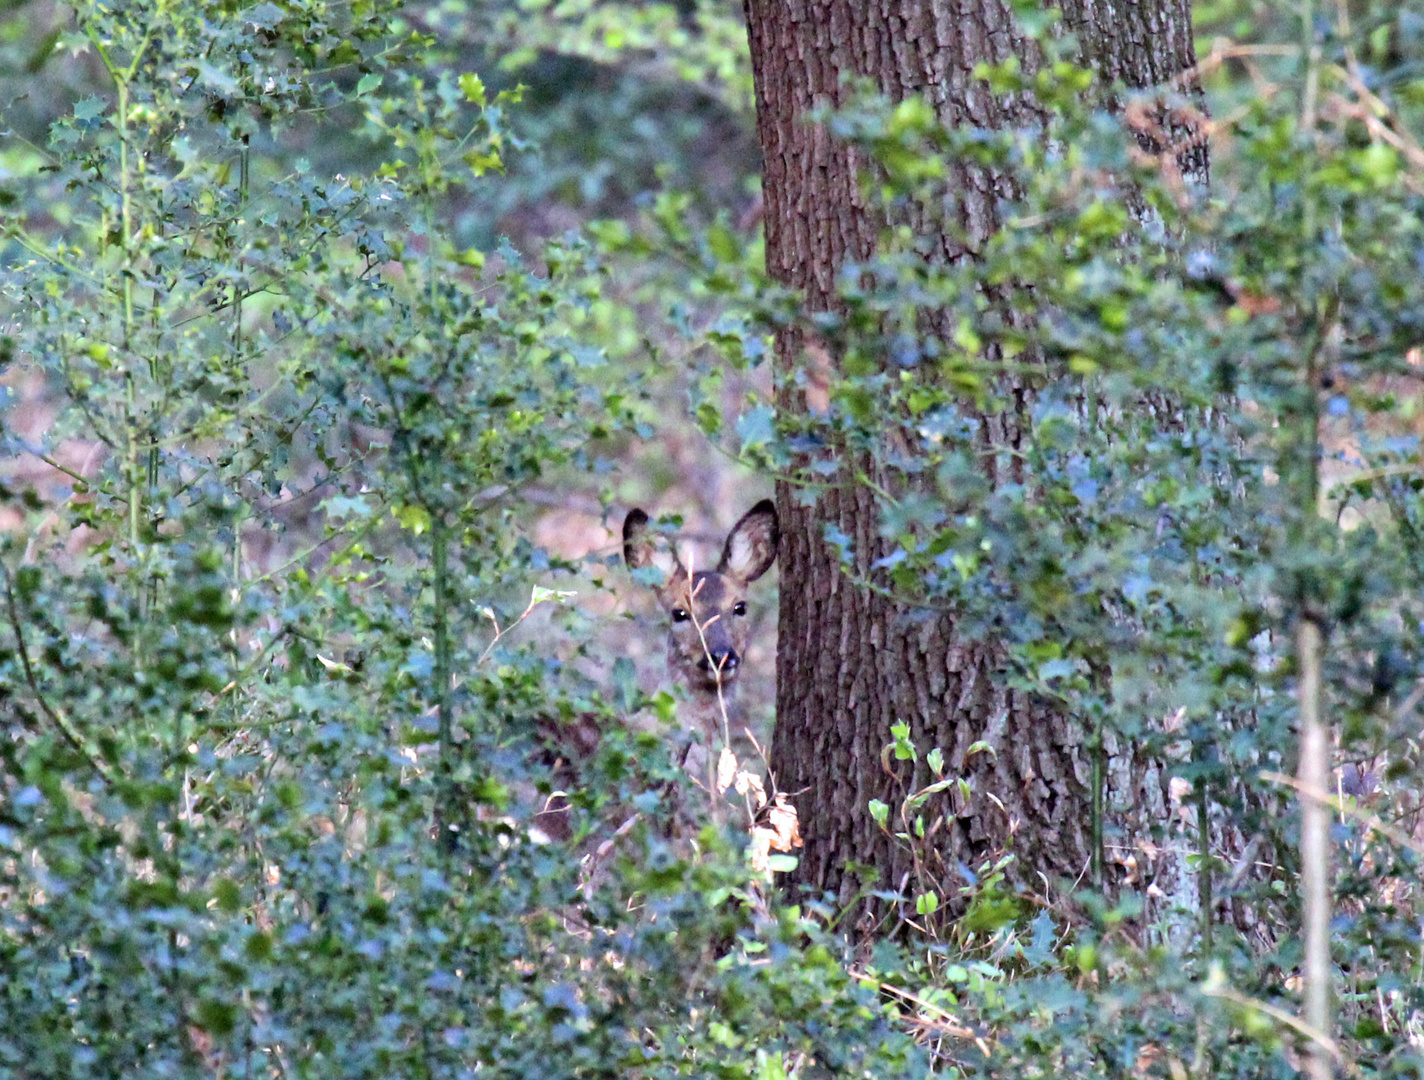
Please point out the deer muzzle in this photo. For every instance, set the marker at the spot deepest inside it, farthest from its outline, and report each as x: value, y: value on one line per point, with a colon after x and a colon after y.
x: 720, y: 665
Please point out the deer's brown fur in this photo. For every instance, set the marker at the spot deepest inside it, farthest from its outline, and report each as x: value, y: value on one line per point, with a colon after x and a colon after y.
x: 707, y: 638
x: 706, y: 609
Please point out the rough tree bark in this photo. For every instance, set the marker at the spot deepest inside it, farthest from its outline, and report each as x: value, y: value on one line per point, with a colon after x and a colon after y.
x: 852, y: 663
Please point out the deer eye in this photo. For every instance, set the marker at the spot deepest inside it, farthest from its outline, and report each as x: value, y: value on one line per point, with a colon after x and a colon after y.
x: 739, y: 608
x: 679, y: 614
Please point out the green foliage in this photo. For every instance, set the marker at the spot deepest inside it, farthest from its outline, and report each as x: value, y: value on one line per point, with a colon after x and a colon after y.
x: 274, y: 724
x: 701, y: 43
x: 272, y: 739
x: 625, y: 97
x: 1212, y: 433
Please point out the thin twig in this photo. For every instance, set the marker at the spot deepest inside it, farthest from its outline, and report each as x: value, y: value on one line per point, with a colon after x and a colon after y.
x: 56, y: 716
x: 1345, y: 809
x: 1319, y: 1039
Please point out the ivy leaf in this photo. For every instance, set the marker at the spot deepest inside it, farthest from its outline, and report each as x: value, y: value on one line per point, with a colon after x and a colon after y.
x: 1056, y: 669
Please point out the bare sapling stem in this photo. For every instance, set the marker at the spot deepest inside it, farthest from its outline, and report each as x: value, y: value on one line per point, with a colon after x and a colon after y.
x: 714, y: 795
x: 1315, y: 852
x: 445, y: 791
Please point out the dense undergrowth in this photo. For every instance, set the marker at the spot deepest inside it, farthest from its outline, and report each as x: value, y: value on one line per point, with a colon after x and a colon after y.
x: 275, y: 730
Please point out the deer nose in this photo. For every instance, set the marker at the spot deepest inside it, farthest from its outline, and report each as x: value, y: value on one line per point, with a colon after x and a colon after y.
x: 720, y: 661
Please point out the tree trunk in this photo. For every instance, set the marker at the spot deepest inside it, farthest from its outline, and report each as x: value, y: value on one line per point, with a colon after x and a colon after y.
x: 852, y: 663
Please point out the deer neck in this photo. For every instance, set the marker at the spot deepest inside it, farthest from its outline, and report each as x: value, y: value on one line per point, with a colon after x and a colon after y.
x: 702, y: 711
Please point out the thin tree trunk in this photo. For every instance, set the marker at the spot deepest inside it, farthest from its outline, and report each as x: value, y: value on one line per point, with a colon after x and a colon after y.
x: 852, y: 663
x: 1315, y: 852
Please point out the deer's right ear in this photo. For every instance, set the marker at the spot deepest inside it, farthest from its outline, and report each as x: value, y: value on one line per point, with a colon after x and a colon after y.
x: 642, y: 551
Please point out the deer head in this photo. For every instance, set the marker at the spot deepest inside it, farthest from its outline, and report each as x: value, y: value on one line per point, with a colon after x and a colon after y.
x: 707, y: 609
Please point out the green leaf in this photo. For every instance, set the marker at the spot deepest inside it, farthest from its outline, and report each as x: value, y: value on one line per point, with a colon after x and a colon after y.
x: 483, y: 161
x: 227, y: 896
x: 756, y: 426
x: 90, y: 107
x: 541, y: 595
x: 723, y: 244
x: 904, y: 748
x: 264, y: 16
x: 879, y: 812
x: 473, y: 88
x: 217, y: 1017
x: 412, y: 517
x: 258, y: 947
x: 1379, y: 162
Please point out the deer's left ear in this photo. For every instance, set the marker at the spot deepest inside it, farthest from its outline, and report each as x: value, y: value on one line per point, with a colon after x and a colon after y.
x: 751, y: 545
x: 642, y: 549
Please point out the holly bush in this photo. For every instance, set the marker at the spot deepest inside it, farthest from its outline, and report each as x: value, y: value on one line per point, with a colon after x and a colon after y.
x: 275, y: 736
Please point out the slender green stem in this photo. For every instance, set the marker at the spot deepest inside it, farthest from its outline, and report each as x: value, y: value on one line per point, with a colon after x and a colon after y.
x: 440, y: 540
x: 364, y: 531
x: 1310, y: 53
x: 243, y: 162
x: 39, y: 251
x: 122, y: 79
x: 135, y: 492
x: 1204, y: 882
x: 1099, y: 782
x: 1314, y: 763
x: 234, y: 647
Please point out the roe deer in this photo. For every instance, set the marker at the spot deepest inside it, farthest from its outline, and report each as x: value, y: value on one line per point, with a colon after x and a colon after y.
x: 707, y: 609
x: 707, y: 638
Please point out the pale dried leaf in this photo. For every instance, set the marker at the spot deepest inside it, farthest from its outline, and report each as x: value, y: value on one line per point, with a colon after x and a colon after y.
x: 726, y: 769
x: 749, y: 783
x: 759, y: 850
x: 777, y: 829
x: 781, y: 820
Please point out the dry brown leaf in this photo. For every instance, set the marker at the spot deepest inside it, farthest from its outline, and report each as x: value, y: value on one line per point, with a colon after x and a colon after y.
x: 785, y: 826
x: 726, y: 769
x: 749, y: 783
x: 777, y: 829
x: 759, y: 850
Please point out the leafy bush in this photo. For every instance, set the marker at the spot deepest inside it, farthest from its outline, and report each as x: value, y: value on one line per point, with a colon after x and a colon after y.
x: 1211, y: 395
x: 267, y: 778
x: 276, y: 724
